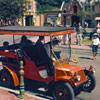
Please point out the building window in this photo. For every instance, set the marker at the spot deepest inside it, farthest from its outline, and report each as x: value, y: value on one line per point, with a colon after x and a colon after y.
x: 86, y: 8
x: 89, y: 0
x: 75, y: 9
x: 93, y: 9
x: 65, y: 10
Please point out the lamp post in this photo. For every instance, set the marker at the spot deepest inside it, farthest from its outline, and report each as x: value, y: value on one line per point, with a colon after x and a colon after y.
x: 21, y: 73
x: 69, y: 35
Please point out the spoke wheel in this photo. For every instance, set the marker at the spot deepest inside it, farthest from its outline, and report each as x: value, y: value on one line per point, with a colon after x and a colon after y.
x: 63, y: 91
x: 6, y: 78
x: 90, y: 84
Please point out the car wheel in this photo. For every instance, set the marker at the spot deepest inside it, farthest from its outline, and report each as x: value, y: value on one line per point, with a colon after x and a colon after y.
x: 62, y: 91
x: 6, y: 79
x: 90, y: 84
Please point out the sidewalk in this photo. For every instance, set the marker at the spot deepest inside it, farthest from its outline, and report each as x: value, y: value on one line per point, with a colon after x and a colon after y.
x: 83, y: 46
x: 74, y: 46
x: 8, y: 94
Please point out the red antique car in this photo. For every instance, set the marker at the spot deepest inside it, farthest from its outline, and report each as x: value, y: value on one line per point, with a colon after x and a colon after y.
x: 62, y: 79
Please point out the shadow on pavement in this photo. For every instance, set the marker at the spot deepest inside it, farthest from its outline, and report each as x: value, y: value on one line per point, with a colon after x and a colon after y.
x: 36, y: 88
x: 86, y: 58
x: 79, y: 98
x: 13, y: 93
x: 33, y: 88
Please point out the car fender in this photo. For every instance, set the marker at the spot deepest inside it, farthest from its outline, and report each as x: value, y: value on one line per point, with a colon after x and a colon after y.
x: 89, y: 69
x: 65, y: 79
x: 14, y: 75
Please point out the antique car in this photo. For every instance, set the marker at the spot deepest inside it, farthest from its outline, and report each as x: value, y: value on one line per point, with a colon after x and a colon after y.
x: 61, y: 78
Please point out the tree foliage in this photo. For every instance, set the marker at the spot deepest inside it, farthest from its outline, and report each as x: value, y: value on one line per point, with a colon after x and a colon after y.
x: 49, y: 4
x: 11, y: 9
x: 86, y: 14
x: 52, y: 2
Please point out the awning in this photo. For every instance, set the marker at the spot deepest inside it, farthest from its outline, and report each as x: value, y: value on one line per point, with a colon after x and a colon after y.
x: 97, y: 18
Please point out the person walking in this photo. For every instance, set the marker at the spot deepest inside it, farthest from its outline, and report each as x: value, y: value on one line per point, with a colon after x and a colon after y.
x: 79, y: 33
x: 95, y: 43
x: 64, y: 39
x: 2, y: 24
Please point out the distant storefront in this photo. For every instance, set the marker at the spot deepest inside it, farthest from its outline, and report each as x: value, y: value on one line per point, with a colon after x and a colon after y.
x: 29, y: 17
x: 67, y: 15
x: 50, y: 17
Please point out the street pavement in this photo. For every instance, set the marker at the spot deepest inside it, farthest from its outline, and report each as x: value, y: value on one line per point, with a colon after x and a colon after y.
x: 8, y: 94
x: 83, y: 53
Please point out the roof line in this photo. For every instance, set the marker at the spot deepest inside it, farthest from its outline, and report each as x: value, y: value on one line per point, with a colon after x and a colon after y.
x: 62, y: 5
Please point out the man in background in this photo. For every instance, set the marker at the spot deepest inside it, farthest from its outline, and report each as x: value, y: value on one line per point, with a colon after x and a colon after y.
x: 79, y: 33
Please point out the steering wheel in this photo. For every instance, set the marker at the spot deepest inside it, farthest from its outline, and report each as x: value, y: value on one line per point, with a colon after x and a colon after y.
x: 75, y: 61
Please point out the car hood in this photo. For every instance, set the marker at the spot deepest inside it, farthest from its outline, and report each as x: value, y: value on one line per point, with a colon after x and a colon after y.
x: 69, y: 68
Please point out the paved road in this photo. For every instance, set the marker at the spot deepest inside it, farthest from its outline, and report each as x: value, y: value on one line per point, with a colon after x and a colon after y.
x: 85, y: 58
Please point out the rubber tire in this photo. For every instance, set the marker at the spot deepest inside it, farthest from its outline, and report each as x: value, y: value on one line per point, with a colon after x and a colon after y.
x: 67, y: 87
x: 8, y: 77
x: 93, y: 82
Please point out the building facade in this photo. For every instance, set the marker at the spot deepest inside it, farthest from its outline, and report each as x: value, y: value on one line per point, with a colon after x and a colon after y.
x: 97, y: 12
x: 89, y: 8
x: 50, y: 17
x: 66, y: 16
x: 69, y: 15
x: 30, y: 14
x: 93, y: 6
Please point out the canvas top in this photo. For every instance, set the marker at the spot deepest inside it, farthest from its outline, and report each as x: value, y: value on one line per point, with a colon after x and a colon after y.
x: 36, y: 30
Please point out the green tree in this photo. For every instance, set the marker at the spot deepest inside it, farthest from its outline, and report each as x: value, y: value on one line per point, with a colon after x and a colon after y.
x: 11, y: 9
x: 44, y: 5
x: 49, y: 4
x: 85, y: 14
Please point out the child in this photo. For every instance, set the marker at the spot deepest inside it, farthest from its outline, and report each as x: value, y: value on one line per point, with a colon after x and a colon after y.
x: 95, y: 43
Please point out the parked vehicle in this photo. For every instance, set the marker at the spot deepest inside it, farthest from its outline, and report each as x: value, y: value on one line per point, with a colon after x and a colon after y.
x: 61, y: 78
x: 89, y: 34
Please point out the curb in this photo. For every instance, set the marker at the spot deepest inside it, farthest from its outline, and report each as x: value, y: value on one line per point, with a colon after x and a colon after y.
x: 17, y: 92
x: 63, y: 46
